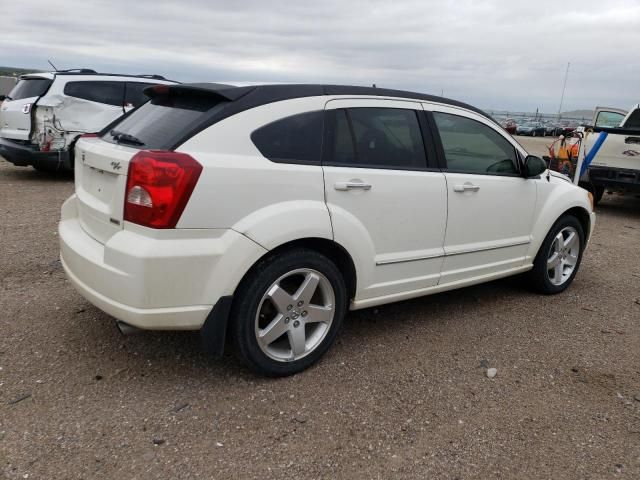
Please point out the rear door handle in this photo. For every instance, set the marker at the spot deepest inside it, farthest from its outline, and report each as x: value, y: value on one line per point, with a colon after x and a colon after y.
x: 467, y: 187
x: 343, y: 186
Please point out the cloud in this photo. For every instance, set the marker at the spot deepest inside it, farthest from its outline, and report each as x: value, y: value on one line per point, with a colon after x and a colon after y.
x: 494, y: 54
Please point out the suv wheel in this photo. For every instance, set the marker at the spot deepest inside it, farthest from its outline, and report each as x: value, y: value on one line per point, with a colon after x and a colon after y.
x: 288, y: 312
x: 558, y: 259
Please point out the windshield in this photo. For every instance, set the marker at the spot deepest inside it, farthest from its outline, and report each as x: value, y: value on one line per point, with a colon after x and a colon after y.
x: 163, y: 122
x: 29, y: 87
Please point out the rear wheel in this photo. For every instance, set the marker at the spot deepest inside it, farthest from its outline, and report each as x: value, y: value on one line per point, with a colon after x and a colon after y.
x: 559, y: 257
x: 288, y: 312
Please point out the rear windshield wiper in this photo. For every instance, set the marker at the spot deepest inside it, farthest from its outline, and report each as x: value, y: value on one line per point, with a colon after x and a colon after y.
x: 121, y: 137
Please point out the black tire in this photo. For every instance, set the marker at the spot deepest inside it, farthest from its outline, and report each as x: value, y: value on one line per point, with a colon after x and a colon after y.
x: 598, y: 193
x: 533, y: 133
x: 248, y: 298
x: 538, y: 277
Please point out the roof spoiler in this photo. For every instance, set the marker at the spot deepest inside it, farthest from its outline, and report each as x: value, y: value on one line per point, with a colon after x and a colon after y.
x: 225, y: 92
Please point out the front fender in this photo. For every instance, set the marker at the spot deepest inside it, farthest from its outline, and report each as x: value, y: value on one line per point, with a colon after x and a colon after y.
x: 555, y: 199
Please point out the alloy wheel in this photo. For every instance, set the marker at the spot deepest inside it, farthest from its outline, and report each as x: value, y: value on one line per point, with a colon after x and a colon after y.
x: 295, y: 315
x: 563, y: 255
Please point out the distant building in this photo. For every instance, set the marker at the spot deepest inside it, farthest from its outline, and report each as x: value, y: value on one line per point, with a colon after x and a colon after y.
x: 7, y: 84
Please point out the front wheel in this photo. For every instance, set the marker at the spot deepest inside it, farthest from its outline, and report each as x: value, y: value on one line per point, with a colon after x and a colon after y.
x: 288, y: 312
x: 559, y: 257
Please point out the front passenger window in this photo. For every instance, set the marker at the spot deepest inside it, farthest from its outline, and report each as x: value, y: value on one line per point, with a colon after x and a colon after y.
x: 472, y: 147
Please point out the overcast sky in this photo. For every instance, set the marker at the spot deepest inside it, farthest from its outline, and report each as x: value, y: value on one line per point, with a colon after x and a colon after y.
x: 494, y: 54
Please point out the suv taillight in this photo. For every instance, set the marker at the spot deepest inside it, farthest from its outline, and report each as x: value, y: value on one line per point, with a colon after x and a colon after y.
x: 159, y: 185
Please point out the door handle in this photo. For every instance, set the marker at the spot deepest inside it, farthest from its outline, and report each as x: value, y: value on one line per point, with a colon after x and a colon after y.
x: 344, y: 186
x: 467, y: 187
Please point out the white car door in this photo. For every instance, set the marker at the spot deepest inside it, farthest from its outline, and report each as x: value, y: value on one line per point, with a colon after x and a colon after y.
x: 490, y: 205
x: 387, y: 206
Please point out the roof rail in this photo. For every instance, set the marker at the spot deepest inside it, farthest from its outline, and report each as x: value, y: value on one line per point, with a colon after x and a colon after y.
x: 79, y: 70
x: 155, y: 77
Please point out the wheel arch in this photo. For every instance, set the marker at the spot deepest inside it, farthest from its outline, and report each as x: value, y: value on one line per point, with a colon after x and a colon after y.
x: 329, y: 248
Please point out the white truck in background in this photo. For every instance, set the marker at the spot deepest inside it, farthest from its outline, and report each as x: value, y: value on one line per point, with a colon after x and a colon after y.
x: 616, y: 165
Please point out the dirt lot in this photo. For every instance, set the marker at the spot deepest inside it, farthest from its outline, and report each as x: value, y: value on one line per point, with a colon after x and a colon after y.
x: 402, y: 395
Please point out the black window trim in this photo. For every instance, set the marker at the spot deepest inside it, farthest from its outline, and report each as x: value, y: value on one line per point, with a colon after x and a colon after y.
x: 329, y: 133
x: 442, y: 159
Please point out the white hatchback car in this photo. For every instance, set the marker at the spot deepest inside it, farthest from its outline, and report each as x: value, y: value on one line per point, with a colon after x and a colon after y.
x: 44, y: 114
x: 269, y: 211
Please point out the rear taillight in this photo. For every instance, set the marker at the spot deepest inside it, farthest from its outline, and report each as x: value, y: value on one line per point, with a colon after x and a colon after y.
x: 159, y: 185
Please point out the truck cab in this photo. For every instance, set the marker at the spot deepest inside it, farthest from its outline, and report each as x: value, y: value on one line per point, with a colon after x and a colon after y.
x: 616, y: 166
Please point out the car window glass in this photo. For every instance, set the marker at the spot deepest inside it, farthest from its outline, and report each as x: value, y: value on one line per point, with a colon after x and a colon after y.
x: 29, y: 87
x: 294, y: 139
x: 609, y: 119
x: 343, y: 147
x: 470, y: 146
x: 382, y: 137
x: 164, y: 121
x: 134, y: 96
x: 633, y: 121
x: 110, y: 93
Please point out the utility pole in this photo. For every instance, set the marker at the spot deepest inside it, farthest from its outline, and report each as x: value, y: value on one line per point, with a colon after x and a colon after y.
x: 564, y: 86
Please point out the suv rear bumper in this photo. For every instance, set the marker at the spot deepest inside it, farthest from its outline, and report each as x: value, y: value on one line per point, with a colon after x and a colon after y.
x: 615, y: 177
x: 23, y: 155
x: 154, y: 280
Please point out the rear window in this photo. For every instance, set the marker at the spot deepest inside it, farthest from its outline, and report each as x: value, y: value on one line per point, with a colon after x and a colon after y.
x: 109, y: 93
x: 29, y: 87
x: 163, y: 122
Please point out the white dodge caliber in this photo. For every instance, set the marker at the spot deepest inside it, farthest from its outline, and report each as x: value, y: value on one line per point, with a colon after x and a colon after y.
x: 262, y: 214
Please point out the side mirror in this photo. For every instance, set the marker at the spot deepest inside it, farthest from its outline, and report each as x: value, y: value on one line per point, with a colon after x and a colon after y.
x: 3, y: 98
x: 534, y: 166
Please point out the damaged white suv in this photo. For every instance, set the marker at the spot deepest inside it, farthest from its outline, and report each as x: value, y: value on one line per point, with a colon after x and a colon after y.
x: 45, y: 113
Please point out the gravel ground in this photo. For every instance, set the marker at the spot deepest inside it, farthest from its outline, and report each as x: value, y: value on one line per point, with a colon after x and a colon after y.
x: 403, y: 394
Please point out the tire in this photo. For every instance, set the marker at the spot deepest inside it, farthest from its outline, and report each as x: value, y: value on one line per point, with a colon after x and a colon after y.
x: 273, y: 315
x: 598, y: 193
x: 533, y: 133
x: 565, y: 270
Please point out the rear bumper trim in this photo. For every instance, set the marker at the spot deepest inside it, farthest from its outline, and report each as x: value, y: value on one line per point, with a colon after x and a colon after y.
x: 178, y: 318
x: 22, y: 155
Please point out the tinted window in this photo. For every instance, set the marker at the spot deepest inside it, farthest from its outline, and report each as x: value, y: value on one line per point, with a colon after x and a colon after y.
x: 133, y: 95
x: 29, y: 87
x: 110, y: 93
x: 165, y: 121
x: 633, y: 121
x: 378, y: 137
x: 470, y: 146
x: 295, y: 139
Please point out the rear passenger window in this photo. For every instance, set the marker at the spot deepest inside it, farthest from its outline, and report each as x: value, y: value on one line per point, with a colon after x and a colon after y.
x: 110, y: 93
x: 377, y: 138
x: 133, y: 95
x: 295, y: 139
x: 472, y: 147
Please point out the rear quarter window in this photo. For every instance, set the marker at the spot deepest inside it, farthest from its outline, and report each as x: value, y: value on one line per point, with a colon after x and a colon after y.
x: 294, y: 139
x: 109, y: 93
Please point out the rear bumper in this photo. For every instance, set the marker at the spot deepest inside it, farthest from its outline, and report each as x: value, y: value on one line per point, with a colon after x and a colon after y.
x: 23, y: 155
x: 615, y: 178
x: 155, y: 280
